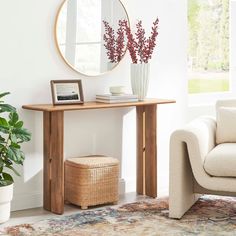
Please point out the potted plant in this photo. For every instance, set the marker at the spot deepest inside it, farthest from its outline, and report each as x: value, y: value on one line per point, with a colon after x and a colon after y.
x: 12, y: 135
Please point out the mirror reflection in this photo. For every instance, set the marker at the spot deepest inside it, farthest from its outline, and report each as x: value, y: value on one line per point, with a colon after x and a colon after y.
x: 88, y: 34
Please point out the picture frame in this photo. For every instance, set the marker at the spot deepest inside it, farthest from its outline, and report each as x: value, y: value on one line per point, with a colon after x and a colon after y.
x: 67, y: 92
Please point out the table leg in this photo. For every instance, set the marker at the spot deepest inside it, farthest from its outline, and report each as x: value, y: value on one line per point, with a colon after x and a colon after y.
x: 150, y: 151
x: 54, y: 161
x: 140, y: 183
x: 46, y: 161
x: 146, y: 150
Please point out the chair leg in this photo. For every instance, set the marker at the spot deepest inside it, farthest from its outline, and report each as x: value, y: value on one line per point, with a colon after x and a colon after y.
x: 181, y: 195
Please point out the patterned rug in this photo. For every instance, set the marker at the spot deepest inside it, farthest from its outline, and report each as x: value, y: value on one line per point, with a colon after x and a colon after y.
x: 209, y: 216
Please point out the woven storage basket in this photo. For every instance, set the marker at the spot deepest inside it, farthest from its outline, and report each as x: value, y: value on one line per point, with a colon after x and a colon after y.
x: 91, y: 181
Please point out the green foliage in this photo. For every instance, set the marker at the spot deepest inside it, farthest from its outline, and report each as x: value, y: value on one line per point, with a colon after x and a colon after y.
x: 208, y: 85
x: 193, y: 11
x: 12, y: 135
x: 208, y: 23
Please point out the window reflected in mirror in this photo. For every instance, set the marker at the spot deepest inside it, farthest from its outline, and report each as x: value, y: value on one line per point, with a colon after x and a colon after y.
x: 82, y: 37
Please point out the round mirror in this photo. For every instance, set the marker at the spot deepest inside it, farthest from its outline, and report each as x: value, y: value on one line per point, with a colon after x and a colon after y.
x: 90, y: 36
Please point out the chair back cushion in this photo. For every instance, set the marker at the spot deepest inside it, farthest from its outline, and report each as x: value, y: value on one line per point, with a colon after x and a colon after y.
x: 226, y: 121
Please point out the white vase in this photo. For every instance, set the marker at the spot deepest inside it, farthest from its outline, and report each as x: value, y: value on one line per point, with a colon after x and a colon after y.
x: 140, y: 79
x: 6, y: 194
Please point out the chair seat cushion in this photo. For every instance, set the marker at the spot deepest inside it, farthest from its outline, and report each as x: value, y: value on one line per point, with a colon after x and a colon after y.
x: 221, y: 160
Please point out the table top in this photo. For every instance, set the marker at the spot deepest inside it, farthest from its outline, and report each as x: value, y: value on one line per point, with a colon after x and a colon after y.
x: 95, y: 105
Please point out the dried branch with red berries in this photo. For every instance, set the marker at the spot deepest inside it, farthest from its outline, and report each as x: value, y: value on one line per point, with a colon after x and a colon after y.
x: 115, y: 45
x: 140, y: 47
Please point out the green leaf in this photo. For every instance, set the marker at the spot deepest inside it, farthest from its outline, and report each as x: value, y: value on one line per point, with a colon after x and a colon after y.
x: 11, y: 154
x: 4, y: 129
x: 7, y: 161
x: 7, y: 176
x: 22, y: 134
x: 19, y: 124
x: 1, y: 165
x: 5, y: 182
x: 13, y: 169
x: 13, y: 138
x: 7, y: 108
x: 4, y: 94
x: 22, y: 156
x: 2, y: 140
x: 15, y: 155
x: 13, y: 116
x: 3, y: 122
x: 15, y: 145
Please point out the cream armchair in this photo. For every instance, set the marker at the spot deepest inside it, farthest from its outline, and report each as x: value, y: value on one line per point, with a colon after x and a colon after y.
x: 199, y: 166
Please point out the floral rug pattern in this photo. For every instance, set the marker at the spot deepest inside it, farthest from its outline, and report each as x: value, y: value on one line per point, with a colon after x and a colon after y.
x: 209, y: 216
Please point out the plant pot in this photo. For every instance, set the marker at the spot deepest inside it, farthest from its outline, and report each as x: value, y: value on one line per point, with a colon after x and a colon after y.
x: 6, y: 194
x: 140, y: 79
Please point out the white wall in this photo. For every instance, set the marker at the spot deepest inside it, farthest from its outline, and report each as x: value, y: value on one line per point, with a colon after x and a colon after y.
x: 29, y: 60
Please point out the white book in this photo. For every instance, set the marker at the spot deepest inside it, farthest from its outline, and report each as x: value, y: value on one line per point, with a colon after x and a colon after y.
x: 117, y: 101
x: 116, y: 97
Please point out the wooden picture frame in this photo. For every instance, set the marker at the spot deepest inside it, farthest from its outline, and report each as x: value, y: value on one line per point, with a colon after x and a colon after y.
x: 67, y: 92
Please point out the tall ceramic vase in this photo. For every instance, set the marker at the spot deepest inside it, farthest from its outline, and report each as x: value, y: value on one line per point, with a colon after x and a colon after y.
x: 140, y: 79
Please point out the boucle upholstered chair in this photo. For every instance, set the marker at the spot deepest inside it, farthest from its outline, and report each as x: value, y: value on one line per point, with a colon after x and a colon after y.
x: 203, y: 159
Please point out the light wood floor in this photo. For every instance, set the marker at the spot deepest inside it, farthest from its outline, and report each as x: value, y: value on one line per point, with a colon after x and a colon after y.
x: 36, y: 214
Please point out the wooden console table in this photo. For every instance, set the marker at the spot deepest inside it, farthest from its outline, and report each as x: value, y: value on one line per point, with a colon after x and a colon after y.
x: 53, y: 147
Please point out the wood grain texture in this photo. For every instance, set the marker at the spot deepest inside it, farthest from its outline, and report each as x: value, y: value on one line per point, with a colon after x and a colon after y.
x: 150, y: 151
x: 46, y: 161
x: 94, y: 105
x: 57, y: 163
x: 54, y: 147
x: 140, y: 187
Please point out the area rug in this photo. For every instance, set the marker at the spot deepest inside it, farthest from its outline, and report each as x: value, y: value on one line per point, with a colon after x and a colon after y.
x: 209, y: 216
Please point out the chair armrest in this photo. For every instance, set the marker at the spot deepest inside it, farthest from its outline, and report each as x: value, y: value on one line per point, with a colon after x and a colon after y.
x: 192, y: 144
x: 188, y: 148
x: 199, y: 135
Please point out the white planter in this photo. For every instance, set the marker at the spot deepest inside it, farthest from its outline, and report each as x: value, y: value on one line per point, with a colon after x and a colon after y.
x: 6, y: 194
x: 140, y: 79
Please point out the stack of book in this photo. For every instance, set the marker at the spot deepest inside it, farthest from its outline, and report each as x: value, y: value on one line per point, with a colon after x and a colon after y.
x: 109, y: 98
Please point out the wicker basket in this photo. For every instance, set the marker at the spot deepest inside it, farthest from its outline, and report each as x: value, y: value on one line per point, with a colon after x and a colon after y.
x: 91, y: 181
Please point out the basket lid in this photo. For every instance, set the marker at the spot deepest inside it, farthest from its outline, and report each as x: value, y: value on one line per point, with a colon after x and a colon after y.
x: 92, y: 162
